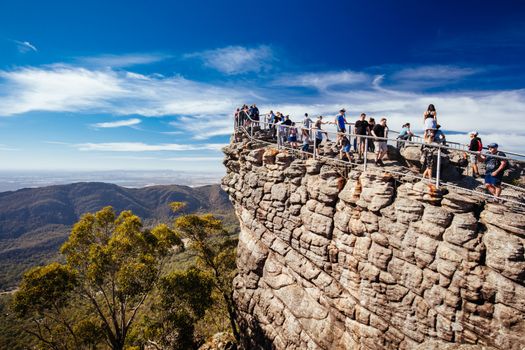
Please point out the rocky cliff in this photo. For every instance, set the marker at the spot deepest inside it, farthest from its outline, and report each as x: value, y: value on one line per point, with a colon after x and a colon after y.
x: 333, y: 258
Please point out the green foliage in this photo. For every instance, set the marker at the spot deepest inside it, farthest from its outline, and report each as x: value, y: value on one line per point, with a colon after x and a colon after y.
x: 177, y: 206
x: 112, y: 267
x: 45, y: 288
x: 215, y: 252
x: 184, y: 298
x: 113, y: 290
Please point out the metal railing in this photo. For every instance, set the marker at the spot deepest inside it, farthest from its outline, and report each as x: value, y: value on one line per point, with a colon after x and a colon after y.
x: 280, y: 133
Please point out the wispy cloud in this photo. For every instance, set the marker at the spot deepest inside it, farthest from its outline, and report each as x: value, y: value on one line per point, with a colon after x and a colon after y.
x: 323, y: 80
x: 205, y: 126
x: 117, y: 124
x: 233, y: 60
x: 120, y: 61
x: 25, y: 46
x: 435, y: 72
x: 203, y: 110
x: 75, y: 89
x: 144, y: 147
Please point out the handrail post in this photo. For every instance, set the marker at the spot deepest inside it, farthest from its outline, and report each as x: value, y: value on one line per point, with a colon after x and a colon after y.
x: 278, y: 136
x: 315, y: 147
x: 365, y: 155
x: 438, y: 167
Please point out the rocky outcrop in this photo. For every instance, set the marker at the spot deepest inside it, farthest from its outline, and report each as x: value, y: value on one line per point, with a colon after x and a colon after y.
x: 333, y: 258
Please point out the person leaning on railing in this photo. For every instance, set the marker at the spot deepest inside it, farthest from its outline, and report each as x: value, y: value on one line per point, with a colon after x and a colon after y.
x: 318, y: 124
x: 405, y: 134
x: 494, y: 169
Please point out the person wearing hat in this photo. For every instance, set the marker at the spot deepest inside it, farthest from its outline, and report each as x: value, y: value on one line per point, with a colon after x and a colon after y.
x: 494, y: 169
x: 474, y: 146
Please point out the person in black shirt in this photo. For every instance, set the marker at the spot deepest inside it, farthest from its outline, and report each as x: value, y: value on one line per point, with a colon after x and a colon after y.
x: 474, y: 146
x: 380, y: 131
x: 371, y: 124
x: 361, y: 127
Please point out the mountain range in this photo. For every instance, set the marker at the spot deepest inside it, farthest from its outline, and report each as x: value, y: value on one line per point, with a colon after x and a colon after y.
x: 34, y: 222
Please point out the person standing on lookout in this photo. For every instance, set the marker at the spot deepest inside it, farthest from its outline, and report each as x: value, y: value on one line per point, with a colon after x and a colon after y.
x: 475, y: 145
x: 318, y: 125
x: 380, y: 131
x: 494, y: 169
x: 340, y: 122
x: 361, y: 128
x: 430, y: 118
x: 307, y: 124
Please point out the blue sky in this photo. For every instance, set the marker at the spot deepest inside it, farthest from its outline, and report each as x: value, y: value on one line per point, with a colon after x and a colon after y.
x: 99, y: 85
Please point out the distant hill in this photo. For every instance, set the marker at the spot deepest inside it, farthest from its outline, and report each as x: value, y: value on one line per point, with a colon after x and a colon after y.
x: 34, y: 222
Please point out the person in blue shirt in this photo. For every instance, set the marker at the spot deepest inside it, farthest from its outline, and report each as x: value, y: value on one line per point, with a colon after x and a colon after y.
x: 404, y: 134
x: 340, y: 122
x: 439, y: 136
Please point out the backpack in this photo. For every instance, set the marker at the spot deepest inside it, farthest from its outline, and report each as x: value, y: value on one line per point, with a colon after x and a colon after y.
x: 480, y: 144
x: 507, y: 163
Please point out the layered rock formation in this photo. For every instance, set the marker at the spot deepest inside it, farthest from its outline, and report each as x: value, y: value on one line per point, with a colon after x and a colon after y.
x: 333, y: 258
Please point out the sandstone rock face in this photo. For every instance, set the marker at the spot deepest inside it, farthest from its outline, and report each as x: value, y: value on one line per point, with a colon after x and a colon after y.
x: 336, y: 259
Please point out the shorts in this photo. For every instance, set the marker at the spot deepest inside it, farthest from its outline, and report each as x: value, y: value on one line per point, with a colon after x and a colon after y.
x: 341, y: 129
x: 305, y: 148
x: 318, y: 142
x: 492, y: 180
x: 346, y: 148
x: 428, y: 159
x: 292, y: 138
x: 380, y: 146
x: 473, y: 159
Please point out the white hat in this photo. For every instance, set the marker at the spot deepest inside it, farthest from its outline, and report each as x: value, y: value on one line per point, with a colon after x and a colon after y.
x: 473, y: 133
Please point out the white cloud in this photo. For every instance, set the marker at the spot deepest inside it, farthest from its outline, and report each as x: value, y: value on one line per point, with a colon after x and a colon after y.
x: 323, y: 80
x: 490, y: 112
x: 143, y: 147
x: 437, y: 72
x: 57, y: 89
x: 117, y: 124
x: 25, y: 46
x: 206, y: 109
x: 119, y: 61
x: 233, y: 60
x: 74, y: 89
x: 205, y: 126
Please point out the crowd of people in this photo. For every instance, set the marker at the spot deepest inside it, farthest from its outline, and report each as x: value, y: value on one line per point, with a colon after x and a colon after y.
x: 371, y: 136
